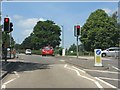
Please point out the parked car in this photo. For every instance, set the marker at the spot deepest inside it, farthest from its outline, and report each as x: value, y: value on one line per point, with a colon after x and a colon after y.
x: 48, y: 50
x: 113, y: 52
x: 28, y: 52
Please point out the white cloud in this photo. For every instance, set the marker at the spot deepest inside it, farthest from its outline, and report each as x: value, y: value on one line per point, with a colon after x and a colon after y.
x: 27, y: 32
x: 26, y: 25
x: 107, y: 10
x: 17, y: 17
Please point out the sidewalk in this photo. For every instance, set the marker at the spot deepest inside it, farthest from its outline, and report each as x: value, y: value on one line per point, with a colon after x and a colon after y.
x: 6, y: 67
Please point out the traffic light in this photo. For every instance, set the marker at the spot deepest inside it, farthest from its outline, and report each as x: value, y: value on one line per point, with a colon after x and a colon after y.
x: 78, y: 30
x: 6, y: 24
x: 11, y: 26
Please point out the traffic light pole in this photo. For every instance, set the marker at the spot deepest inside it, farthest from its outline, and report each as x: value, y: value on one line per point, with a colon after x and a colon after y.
x: 5, y: 52
x: 77, y: 47
x: 10, y: 44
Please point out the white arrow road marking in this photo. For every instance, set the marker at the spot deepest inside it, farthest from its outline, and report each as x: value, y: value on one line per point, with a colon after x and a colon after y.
x: 97, y: 83
x: 105, y: 82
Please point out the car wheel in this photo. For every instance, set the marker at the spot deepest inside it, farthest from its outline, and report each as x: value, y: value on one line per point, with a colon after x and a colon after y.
x: 103, y: 54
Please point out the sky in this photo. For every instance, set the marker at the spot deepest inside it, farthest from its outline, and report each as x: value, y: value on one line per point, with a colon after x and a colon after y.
x: 25, y: 15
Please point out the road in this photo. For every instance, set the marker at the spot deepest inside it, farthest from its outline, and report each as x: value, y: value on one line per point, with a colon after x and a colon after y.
x: 34, y: 71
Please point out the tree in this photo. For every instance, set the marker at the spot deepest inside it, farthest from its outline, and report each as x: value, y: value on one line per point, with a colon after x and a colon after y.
x: 99, y: 31
x: 7, y: 36
x: 72, y: 48
x: 44, y: 33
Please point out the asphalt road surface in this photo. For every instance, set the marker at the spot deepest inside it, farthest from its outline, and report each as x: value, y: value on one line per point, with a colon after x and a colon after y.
x: 34, y: 71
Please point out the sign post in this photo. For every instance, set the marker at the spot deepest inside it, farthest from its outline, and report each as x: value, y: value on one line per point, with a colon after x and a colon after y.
x: 98, y: 61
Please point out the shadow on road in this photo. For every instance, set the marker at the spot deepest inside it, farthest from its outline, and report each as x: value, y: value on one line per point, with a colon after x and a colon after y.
x: 22, y: 66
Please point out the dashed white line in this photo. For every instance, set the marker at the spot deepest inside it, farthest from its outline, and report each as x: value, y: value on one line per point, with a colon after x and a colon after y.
x: 105, y: 82
x: 109, y: 78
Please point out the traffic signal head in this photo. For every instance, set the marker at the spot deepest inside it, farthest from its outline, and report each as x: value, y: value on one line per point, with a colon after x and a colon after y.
x: 78, y: 30
x: 6, y: 24
x: 11, y: 27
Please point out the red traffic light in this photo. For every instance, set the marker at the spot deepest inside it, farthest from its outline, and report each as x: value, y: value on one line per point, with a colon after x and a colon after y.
x: 78, y: 26
x: 6, y: 19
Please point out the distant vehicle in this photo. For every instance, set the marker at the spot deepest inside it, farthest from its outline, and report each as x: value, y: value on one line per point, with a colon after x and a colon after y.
x: 113, y: 51
x: 48, y: 50
x: 28, y: 52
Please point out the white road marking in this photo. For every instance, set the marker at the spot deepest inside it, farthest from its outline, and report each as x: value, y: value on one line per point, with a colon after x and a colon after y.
x: 101, y: 71
x: 65, y: 66
x: 62, y: 60
x: 109, y: 78
x: 79, y: 69
x: 97, y: 83
x: 105, y: 82
x: 4, y: 85
x: 16, y: 74
x: 116, y: 68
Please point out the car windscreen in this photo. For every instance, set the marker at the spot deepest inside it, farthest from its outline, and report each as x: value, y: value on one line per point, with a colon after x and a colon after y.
x: 28, y: 50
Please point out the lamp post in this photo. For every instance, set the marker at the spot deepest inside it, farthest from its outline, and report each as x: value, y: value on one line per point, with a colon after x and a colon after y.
x: 63, y: 50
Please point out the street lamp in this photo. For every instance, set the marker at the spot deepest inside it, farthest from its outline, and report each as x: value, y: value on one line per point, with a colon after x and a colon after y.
x: 63, y: 50
x: 62, y: 36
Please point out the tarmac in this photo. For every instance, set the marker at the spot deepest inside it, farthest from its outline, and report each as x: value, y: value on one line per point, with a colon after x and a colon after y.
x: 83, y: 62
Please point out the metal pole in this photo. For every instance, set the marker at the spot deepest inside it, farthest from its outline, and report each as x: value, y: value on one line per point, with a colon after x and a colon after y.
x: 77, y: 46
x: 62, y: 36
x: 10, y: 44
x: 5, y: 52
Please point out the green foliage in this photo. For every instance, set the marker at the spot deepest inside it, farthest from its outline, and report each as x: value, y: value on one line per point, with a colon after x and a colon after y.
x: 99, y: 31
x: 6, y: 39
x: 72, y: 48
x: 44, y: 33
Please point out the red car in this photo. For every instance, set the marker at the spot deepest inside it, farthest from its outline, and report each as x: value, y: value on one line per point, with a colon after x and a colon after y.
x: 47, y: 51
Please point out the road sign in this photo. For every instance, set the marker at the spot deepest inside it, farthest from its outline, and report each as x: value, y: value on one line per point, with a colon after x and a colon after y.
x: 98, y: 61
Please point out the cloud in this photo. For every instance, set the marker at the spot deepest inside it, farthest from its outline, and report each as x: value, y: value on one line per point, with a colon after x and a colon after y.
x: 107, y: 10
x: 17, y: 17
x: 26, y: 25
x: 27, y: 32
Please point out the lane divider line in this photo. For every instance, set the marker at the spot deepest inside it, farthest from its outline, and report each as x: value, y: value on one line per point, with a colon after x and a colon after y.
x: 79, y: 69
x: 100, y: 71
x: 109, y: 78
x: 116, y: 68
x: 97, y: 83
x: 105, y: 82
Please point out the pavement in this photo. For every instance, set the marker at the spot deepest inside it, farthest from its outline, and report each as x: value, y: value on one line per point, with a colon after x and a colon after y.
x: 6, y: 67
x: 82, y: 61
